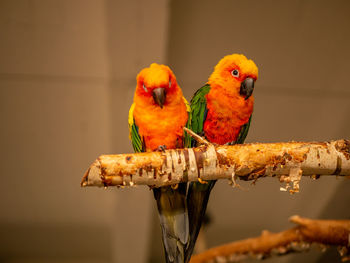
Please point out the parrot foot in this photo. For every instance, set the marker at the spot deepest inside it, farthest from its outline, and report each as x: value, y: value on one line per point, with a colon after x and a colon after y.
x: 161, y: 148
x: 175, y: 186
x: 202, y: 181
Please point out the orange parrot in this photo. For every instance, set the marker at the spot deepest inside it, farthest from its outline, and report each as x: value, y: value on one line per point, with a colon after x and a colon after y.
x: 156, y: 121
x: 221, y: 112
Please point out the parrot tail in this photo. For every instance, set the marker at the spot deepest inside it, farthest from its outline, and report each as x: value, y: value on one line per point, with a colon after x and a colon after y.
x: 172, y: 210
x: 197, y: 201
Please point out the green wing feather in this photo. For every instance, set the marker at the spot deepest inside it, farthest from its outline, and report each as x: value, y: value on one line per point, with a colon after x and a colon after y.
x: 197, y: 115
x: 136, y: 140
x: 243, y: 132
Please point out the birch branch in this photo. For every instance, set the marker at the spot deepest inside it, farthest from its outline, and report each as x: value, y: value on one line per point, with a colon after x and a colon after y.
x: 287, y: 161
x: 298, y: 239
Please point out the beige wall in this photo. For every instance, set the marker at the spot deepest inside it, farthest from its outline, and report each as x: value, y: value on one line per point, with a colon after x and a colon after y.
x: 67, y: 75
x: 53, y: 71
x: 302, y: 51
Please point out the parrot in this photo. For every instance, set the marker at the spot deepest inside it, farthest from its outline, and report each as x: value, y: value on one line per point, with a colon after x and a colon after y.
x: 221, y: 112
x: 156, y: 120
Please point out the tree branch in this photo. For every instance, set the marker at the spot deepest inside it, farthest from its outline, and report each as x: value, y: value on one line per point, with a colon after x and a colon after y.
x: 287, y: 161
x: 297, y: 239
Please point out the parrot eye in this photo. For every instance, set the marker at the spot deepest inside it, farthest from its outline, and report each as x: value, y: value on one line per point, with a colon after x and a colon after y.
x: 145, y: 88
x: 235, y: 73
x: 169, y: 83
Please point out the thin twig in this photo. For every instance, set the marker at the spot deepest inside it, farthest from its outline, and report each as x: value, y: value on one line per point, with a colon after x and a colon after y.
x: 195, y: 136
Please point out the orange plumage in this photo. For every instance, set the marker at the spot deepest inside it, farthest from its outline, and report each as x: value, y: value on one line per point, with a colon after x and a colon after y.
x: 157, y: 118
x: 159, y: 126
x: 221, y: 110
x: 227, y: 109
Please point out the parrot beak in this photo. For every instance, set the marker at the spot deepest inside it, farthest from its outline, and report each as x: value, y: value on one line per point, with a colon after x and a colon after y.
x: 159, y: 96
x: 247, y: 87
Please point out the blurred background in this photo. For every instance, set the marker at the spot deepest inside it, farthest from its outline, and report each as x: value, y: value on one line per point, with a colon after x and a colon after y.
x: 67, y: 77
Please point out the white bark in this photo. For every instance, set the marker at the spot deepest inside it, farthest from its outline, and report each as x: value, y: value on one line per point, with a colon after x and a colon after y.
x: 288, y: 161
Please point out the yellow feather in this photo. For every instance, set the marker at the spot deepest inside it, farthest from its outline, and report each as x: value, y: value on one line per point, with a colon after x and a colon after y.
x: 131, y: 118
x: 188, y: 107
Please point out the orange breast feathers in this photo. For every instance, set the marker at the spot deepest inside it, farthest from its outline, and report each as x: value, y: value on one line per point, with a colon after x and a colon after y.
x: 161, y: 126
x: 226, y: 116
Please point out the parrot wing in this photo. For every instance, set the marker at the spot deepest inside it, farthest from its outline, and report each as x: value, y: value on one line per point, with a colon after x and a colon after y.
x: 197, y: 115
x: 243, y: 132
x: 198, y: 194
x: 134, y: 136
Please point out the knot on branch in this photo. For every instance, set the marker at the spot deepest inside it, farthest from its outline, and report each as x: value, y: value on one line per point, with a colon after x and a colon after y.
x: 343, y: 146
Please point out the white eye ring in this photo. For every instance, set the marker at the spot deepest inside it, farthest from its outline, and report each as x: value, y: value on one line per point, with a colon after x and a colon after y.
x: 235, y: 73
x: 144, y: 87
x: 169, y: 83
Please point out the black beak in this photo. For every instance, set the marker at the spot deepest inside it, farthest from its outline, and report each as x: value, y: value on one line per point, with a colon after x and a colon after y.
x: 159, y: 96
x: 247, y: 87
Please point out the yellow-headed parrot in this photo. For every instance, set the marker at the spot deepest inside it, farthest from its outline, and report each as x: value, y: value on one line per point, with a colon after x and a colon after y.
x: 156, y: 121
x: 221, y: 112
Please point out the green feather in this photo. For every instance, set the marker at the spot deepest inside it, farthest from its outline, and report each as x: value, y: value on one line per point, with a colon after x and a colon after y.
x: 243, y: 132
x: 136, y: 140
x: 196, y: 117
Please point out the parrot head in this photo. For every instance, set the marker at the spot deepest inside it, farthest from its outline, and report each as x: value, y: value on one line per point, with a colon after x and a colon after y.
x: 155, y: 84
x: 235, y: 76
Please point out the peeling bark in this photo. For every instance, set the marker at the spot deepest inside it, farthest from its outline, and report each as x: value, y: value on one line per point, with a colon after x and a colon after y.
x: 287, y: 161
x: 320, y: 232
